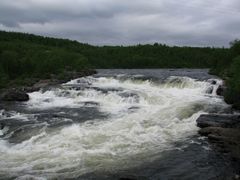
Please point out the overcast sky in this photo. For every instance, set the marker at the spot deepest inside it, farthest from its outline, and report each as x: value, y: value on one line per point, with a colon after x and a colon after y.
x: 126, y: 22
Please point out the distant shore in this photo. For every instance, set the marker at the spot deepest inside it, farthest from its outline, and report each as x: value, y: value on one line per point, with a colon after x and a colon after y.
x: 17, y: 92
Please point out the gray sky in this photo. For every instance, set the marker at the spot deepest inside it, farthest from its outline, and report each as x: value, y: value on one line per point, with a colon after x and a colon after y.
x: 126, y: 22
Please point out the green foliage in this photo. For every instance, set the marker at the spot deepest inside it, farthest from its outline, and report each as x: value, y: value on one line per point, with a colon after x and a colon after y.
x: 229, y: 69
x: 154, y: 56
x: 3, y: 77
x: 235, y: 47
x: 29, y: 46
x: 222, y: 65
x: 232, y: 95
x: 27, y: 56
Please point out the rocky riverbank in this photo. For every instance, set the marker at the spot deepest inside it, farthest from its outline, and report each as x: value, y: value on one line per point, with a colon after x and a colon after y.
x: 223, y: 130
x: 20, y: 93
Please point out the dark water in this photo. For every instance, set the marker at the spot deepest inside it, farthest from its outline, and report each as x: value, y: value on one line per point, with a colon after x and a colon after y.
x: 132, y: 124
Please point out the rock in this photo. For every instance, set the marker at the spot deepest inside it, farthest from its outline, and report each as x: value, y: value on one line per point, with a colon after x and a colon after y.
x: 44, y: 83
x: 219, y: 120
x: 14, y: 95
x: 69, y: 75
x: 223, y: 130
x: 212, y: 81
x: 1, y: 126
x: 221, y: 90
x: 226, y: 139
x: 220, y: 132
x: 20, y: 94
x: 209, y: 90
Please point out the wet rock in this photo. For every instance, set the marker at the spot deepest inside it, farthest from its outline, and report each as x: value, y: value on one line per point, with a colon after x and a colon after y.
x: 219, y: 120
x: 226, y: 139
x: 128, y: 94
x: 84, y: 82
x: 44, y: 83
x: 76, y: 87
x: 1, y: 126
x: 55, y: 81
x: 107, y: 90
x: 221, y: 90
x: 14, y: 95
x: 212, y: 81
x: 209, y: 90
x: 68, y: 75
x: 34, y: 84
x: 223, y: 131
x: 91, y: 103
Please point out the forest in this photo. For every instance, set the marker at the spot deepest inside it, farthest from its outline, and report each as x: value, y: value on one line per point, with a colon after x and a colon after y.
x: 25, y: 56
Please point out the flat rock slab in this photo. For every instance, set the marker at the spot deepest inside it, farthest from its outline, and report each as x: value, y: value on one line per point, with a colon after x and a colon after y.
x: 219, y: 120
x: 227, y: 139
x: 223, y: 130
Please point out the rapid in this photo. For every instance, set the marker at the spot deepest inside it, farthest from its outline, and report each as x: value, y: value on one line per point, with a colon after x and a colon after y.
x: 111, y: 125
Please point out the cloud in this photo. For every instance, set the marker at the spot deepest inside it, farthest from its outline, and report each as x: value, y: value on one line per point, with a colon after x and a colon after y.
x: 115, y: 22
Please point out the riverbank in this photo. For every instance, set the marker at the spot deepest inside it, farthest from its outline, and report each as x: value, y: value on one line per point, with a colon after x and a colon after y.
x: 223, y: 130
x: 16, y: 92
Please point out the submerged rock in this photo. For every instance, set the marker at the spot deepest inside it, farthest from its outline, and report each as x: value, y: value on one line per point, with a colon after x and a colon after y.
x: 14, y: 95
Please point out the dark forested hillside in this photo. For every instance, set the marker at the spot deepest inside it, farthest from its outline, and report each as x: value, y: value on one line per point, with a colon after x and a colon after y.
x: 26, y: 55
x: 139, y: 56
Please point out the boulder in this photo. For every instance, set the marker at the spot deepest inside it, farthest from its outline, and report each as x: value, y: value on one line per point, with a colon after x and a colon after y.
x: 14, y: 95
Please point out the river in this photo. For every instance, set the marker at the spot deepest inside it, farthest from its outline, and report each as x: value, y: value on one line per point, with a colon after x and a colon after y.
x: 136, y: 124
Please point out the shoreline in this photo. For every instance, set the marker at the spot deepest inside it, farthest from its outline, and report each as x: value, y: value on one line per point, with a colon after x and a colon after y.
x: 223, y: 131
x: 20, y: 93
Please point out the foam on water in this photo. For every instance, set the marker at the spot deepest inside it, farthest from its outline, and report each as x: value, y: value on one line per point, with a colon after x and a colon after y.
x: 164, y: 113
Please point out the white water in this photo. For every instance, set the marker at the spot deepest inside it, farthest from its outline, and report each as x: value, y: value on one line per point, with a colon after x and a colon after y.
x: 138, y: 127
